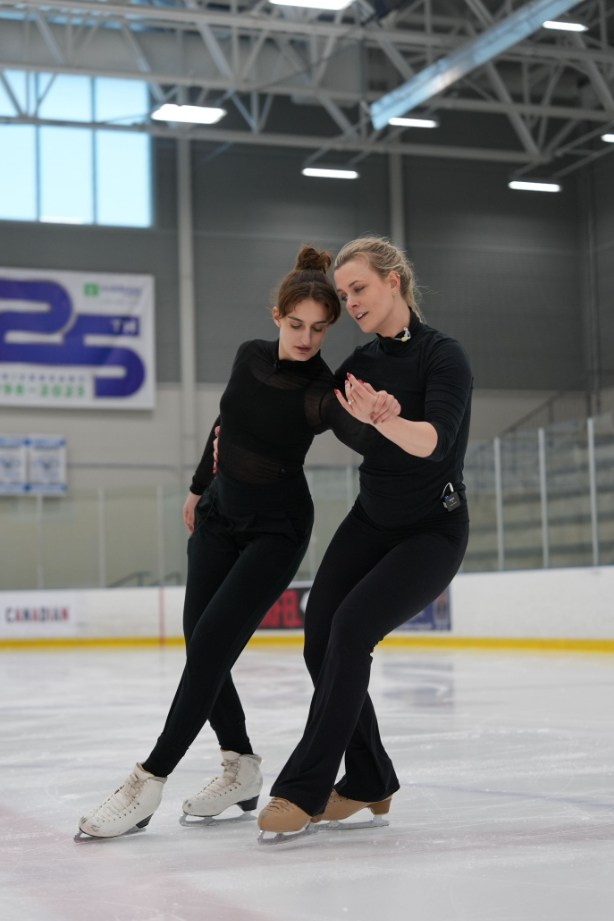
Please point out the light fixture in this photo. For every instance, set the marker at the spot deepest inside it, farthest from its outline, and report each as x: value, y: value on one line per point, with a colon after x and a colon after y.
x: 608, y: 138
x: 564, y: 26
x: 197, y: 115
x: 412, y: 122
x: 327, y: 173
x: 535, y: 186
x: 314, y: 4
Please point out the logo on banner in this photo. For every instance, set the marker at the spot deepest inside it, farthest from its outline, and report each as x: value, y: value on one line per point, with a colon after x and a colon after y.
x: 65, y: 341
x: 436, y: 616
x: 40, y: 614
x: 288, y: 612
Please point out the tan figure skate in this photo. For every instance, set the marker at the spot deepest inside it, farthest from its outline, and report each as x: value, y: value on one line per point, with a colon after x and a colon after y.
x: 285, y: 820
x: 339, y: 808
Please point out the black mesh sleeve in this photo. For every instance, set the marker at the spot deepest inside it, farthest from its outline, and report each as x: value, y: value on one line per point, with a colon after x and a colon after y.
x: 203, y: 474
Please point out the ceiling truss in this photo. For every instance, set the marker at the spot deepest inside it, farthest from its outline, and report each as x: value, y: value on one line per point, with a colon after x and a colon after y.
x: 555, y: 91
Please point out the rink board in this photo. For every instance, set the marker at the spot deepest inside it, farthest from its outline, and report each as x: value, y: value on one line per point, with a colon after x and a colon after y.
x: 561, y: 608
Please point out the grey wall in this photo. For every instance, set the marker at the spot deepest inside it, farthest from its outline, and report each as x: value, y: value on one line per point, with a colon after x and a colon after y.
x: 253, y: 210
x: 500, y: 268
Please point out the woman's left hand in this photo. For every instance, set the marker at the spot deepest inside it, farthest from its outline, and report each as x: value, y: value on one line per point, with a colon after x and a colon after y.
x: 366, y: 404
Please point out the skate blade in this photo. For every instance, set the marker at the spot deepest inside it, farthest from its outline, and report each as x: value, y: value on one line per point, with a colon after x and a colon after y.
x: 82, y: 837
x: 378, y: 821
x: 194, y: 821
x: 286, y: 837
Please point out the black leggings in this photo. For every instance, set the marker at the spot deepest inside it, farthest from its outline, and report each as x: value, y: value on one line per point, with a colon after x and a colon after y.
x: 370, y: 582
x: 237, y: 569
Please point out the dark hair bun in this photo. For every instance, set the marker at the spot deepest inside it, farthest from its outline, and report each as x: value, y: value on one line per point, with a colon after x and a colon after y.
x: 310, y: 258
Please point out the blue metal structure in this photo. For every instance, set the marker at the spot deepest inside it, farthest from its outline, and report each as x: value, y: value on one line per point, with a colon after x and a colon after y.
x: 449, y: 69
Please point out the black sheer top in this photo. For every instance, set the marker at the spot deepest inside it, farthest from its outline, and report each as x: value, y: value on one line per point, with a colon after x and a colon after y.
x: 269, y: 414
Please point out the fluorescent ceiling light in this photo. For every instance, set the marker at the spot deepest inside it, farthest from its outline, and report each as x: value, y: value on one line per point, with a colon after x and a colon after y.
x: 314, y: 4
x: 330, y: 173
x: 608, y: 138
x: 197, y: 115
x: 565, y: 26
x: 535, y: 186
x: 414, y: 122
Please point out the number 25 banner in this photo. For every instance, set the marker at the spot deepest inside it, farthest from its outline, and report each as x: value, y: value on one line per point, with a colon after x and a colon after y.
x: 76, y: 339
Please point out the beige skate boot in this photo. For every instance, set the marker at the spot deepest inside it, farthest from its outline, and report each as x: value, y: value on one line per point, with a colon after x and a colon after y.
x: 339, y: 808
x: 285, y: 820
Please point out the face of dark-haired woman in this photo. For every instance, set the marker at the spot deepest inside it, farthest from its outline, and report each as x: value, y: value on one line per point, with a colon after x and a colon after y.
x: 302, y: 330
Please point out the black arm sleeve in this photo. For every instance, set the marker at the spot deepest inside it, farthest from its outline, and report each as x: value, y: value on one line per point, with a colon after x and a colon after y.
x: 356, y: 435
x: 448, y: 388
x: 203, y: 474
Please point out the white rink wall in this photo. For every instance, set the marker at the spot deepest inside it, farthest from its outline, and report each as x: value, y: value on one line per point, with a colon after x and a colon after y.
x: 574, y: 604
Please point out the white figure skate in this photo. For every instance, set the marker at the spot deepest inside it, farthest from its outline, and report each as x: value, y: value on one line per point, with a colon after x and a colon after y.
x: 239, y: 785
x: 129, y: 809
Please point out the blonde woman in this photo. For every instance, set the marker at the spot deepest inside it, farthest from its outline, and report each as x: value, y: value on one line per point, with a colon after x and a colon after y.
x: 396, y: 551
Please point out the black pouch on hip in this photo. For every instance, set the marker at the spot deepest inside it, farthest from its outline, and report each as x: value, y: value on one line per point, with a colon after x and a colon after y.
x: 451, y: 499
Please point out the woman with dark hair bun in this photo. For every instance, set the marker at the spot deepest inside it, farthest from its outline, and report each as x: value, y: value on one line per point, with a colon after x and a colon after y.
x: 250, y: 525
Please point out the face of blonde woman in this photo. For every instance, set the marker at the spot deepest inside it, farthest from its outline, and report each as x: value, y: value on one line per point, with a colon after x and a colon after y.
x: 369, y: 299
x: 301, y: 331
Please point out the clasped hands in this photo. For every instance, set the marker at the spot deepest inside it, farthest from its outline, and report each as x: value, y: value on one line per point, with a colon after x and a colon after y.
x: 366, y: 404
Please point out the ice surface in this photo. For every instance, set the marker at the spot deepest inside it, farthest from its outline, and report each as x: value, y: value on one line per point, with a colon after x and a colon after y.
x: 506, y: 812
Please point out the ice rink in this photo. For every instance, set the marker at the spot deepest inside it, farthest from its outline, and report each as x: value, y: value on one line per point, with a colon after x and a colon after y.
x: 506, y: 810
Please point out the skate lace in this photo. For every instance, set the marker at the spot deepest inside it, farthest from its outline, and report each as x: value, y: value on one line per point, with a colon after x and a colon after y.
x: 226, y: 780
x: 280, y: 806
x: 123, y: 798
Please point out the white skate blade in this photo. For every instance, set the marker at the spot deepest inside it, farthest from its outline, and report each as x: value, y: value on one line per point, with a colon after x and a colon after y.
x: 281, y: 837
x: 82, y: 837
x: 193, y: 821
x: 378, y: 821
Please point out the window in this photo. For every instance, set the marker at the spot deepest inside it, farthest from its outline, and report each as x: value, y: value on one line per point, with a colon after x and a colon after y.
x: 69, y: 174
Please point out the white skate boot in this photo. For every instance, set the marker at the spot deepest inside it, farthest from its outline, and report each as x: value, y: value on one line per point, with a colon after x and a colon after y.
x: 239, y: 785
x: 130, y: 808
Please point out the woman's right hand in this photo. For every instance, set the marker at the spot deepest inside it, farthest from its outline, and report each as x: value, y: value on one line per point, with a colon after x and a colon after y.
x: 215, y: 441
x: 188, y: 510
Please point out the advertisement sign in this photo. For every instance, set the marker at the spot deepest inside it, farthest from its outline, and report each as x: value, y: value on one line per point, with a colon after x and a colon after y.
x: 32, y: 464
x: 47, y: 464
x: 288, y: 612
x: 36, y: 615
x: 76, y: 339
x: 436, y: 616
x: 13, y: 464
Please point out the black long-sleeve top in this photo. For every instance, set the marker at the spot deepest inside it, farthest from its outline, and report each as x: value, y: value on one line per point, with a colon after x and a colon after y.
x: 431, y: 378
x: 269, y: 414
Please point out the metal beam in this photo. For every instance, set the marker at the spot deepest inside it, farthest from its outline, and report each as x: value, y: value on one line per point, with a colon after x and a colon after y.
x: 448, y: 70
x: 187, y: 332
x: 304, y: 142
x: 49, y: 38
x: 339, y: 95
x: 247, y: 23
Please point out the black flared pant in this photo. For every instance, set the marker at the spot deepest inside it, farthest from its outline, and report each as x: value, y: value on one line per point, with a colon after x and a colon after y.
x: 370, y: 582
x: 238, y: 566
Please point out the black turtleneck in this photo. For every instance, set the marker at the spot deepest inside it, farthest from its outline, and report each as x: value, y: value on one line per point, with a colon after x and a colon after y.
x: 431, y: 378
x: 269, y: 414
